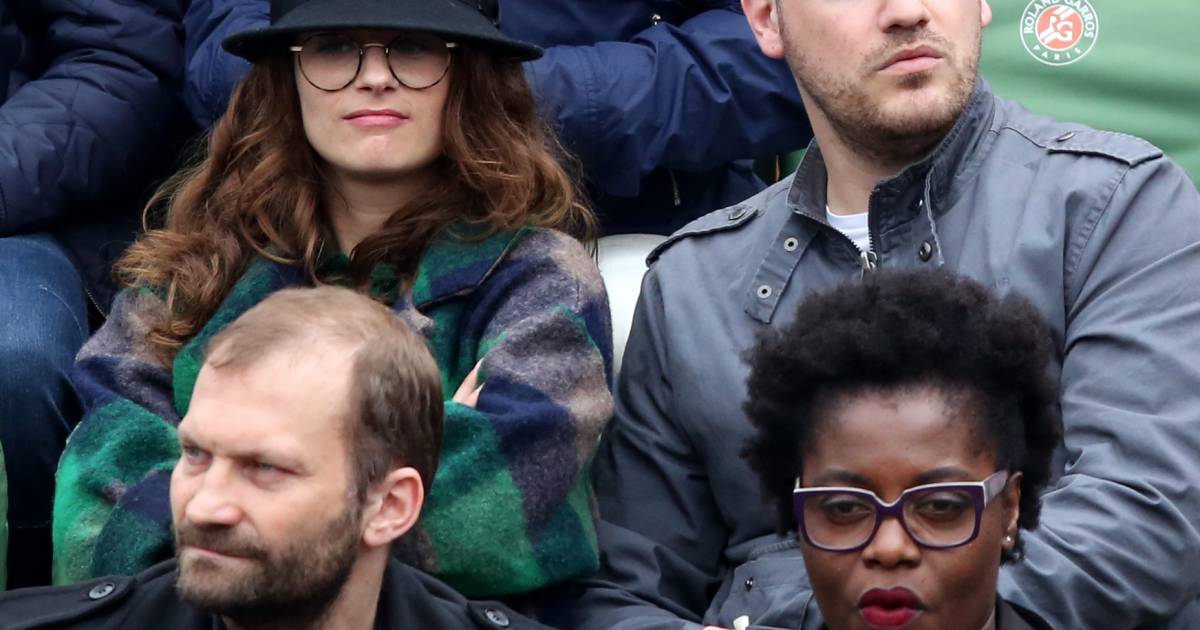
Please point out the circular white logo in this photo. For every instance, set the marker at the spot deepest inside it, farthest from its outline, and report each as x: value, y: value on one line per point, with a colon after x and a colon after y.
x: 1059, y: 32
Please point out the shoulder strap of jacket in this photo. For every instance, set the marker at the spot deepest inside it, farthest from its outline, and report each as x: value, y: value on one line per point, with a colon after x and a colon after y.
x: 730, y: 218
x: 1119, y: 146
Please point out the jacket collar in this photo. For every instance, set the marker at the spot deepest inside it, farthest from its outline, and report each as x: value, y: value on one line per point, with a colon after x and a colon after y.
x: 456, y: 262
x: 407, y: 599
x: 412, y: 599
x: 403, y: 601
x: 956, y: 159
x: 930, y: 185
x: 1009, y: 616
x: 960, y: 153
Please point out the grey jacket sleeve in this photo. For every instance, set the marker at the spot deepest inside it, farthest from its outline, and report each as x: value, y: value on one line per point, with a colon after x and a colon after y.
x: 1118, y: 544
x: 660, y: 534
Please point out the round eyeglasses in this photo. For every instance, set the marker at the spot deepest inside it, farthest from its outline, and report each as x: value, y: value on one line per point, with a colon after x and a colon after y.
x: 936, y: 516
x: 330, y: 61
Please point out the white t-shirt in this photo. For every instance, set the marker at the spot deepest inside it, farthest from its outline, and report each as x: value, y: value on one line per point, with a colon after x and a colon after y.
x: 854, y: 226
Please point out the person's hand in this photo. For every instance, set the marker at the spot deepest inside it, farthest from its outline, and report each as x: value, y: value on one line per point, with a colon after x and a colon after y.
x: 468, y: 392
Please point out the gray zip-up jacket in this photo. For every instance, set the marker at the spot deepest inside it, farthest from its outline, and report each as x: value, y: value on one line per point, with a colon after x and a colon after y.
x: 1099, y: 230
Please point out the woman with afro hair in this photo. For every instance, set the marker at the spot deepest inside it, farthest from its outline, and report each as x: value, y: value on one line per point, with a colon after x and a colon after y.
x: 905, y: 427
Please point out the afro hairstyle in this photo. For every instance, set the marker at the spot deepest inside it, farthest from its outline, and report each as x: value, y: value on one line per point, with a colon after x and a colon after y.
x: 899, y: 329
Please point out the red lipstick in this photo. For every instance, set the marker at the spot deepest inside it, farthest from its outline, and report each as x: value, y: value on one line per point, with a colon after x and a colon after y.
x: 889, y: 608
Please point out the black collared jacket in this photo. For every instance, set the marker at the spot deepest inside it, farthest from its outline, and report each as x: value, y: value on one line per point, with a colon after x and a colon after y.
x: 1008, y: 617
x: 410, y: 600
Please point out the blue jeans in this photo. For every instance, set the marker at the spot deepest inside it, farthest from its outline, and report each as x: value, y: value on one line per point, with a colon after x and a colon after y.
x: 43, y: 323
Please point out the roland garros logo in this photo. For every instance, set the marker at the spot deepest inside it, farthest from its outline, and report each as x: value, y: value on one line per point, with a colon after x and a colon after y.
x: 1059, y: 32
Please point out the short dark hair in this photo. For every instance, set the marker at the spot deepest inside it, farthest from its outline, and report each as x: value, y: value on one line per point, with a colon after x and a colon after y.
x: 901, y: 329
x: 394, y: 417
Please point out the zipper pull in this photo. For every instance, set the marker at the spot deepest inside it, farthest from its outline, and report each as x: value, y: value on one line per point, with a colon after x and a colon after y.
x: 675, y: 189
x: 869, y: 260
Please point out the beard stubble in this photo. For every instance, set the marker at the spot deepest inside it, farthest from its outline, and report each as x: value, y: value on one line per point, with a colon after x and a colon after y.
x: 863, y: 123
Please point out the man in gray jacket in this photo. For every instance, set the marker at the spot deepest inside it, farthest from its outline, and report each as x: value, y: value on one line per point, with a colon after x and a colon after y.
x: 916, y: 163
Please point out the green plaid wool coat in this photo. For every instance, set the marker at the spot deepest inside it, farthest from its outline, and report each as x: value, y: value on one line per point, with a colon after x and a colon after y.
x: 511, y: 508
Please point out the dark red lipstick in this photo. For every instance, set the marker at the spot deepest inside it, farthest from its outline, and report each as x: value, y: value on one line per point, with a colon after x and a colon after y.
x: 889, y: 608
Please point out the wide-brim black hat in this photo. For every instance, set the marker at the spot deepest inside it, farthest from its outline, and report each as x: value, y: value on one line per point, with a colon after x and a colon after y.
x: 468, y: 21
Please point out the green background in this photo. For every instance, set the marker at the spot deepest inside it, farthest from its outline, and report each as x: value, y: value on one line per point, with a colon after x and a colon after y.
x: 1142, y: 77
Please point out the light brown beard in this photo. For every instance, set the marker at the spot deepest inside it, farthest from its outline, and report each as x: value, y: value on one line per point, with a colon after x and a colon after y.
x: 292, y: 587
x: 861, y: 124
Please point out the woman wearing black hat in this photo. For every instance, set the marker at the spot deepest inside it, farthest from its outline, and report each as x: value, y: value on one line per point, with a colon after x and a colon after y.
x: 391, y: 146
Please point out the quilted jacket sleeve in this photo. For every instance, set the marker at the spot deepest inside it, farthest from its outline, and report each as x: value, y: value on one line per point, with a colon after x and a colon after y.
x: 111, y: 506
x: 96, y: 115
x: 626, y: 108
x: 212, y: 72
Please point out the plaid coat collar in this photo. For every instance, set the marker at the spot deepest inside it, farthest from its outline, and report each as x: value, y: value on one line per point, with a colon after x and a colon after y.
x: 455, y: 263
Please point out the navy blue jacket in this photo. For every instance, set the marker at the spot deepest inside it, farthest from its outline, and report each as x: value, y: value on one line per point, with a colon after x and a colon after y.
x: 664, y: 101
x: 88, y: 92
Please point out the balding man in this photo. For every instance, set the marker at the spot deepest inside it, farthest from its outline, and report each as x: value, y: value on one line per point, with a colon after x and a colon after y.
x: 307, y: 450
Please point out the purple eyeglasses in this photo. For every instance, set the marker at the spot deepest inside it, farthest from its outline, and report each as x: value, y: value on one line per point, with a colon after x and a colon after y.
x: 936, y: 516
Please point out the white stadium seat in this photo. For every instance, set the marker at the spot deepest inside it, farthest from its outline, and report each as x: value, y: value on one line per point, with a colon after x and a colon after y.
x: 622, y: 260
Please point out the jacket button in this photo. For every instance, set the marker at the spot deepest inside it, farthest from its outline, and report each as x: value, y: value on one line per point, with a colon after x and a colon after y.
x: 497, y: 617
x: 764, y: 292
x: 925, y: 252
x: 736, y: 213
x: 100, y: 591
x: 749, y: 583
x: 791, y: 244
x: 1065, y: 137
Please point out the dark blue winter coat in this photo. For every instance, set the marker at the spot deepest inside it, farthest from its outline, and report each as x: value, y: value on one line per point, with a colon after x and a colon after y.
x: 88, y: 95
x: 663, y: 101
